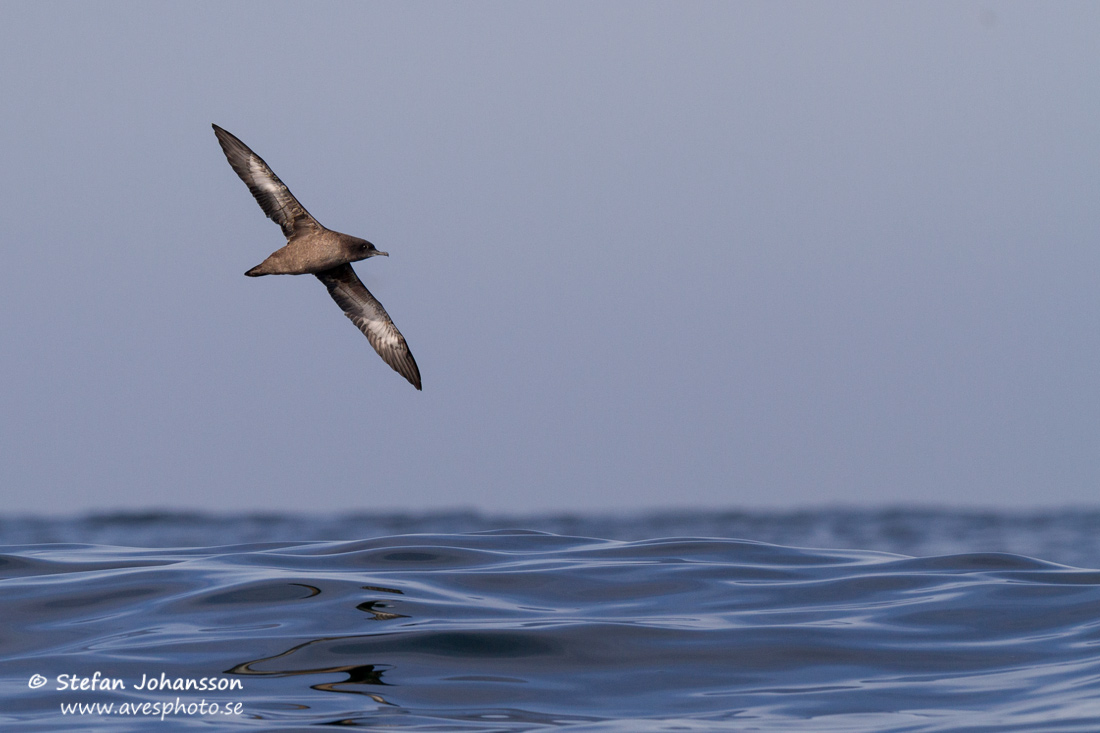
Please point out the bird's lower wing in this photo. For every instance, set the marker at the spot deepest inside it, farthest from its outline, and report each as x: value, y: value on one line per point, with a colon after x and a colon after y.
x: 367, y: 313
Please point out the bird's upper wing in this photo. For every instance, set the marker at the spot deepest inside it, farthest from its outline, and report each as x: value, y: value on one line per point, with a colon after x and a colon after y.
x: 367, y: 313
x: 271, y: 194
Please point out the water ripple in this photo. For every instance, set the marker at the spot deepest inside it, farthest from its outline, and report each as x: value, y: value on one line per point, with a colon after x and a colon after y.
x: 519, y: 631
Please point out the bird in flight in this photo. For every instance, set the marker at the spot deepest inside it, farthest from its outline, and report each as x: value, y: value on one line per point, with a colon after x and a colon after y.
x: 313, y: 249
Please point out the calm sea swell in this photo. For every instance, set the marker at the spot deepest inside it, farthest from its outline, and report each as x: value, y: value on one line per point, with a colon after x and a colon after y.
x: 520, y: 630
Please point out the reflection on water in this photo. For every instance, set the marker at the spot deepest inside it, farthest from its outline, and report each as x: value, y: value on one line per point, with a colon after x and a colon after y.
x: 361, y: 674
x: 520, y: 631
x: 357, y: 674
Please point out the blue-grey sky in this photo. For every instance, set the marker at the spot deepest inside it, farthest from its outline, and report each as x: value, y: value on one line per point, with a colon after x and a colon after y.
x: 772, y: 254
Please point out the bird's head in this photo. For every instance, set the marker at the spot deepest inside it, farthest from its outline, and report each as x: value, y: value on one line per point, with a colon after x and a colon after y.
x: 361, y: 249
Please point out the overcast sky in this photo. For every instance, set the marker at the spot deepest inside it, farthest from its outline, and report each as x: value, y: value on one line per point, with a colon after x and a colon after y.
x: 646, y: 254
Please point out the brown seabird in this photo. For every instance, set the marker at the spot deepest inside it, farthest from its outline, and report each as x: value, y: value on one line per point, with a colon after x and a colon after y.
x: 311, y: 248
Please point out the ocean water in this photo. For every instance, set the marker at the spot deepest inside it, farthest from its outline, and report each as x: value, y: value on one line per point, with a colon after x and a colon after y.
x: 835, y: 620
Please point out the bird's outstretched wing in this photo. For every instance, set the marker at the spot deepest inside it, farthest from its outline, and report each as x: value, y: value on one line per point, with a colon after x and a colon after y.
x: 271, y: 194
x: 367, y: 313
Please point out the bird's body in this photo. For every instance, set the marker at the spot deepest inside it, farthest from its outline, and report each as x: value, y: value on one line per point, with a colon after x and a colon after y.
x: 313, y: 249
x: 308, y: 255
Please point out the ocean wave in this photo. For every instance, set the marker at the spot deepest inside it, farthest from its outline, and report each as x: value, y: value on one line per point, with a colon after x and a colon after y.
x: 517, y: 631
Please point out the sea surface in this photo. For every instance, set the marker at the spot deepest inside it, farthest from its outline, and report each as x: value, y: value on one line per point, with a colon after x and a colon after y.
x: 828, y: 620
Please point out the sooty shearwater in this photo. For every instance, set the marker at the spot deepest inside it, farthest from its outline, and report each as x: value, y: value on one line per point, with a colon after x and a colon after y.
x: 313, y: 249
